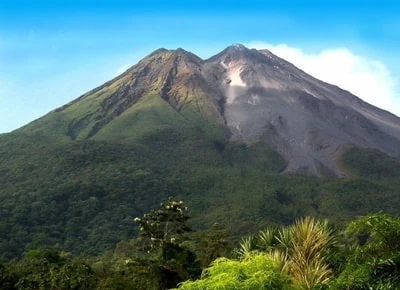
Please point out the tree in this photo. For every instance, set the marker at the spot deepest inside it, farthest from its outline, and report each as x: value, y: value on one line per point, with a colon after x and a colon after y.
x: 162, y: 233
x: 374, y: 262
x: 212, y: 243
x: 47, y: 269
x: 7, y: 278
x: 164, y: 226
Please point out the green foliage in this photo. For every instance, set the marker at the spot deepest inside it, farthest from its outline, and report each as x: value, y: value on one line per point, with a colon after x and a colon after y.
x: 167, y: 259
x: 247, y: 245
x: 74, y: 276
x: 375, y: 261
x: 255, y: 271
x: 256, y: 155
x: 301, y: 250
x: 371, y: 164
x: 8, y: 278
x: 297, y: 256
x: 306, y: 258
x: 164, y: 226
x: 211, y: 244
x: 46, y: 269
x: 267, y: 239
x: 82, y: 195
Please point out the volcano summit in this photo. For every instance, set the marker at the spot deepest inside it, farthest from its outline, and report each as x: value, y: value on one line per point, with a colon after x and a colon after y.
x: 239, y: 95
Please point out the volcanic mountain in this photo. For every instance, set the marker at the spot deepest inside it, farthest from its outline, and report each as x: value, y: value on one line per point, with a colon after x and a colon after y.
x: 239, y: 95
x: 241, y: 137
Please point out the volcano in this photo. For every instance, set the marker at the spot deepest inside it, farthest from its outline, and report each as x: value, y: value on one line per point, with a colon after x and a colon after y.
x: 245, y: 138
x: 241, y: 95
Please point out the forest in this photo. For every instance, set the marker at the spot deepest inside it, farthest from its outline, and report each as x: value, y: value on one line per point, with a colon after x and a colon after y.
x: 84, y: 196
x: 86, y: 215
x: 169, y: 254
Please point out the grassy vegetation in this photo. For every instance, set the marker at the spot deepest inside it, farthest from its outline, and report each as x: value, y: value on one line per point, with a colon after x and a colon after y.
x: 371, y: 164
x: 82, y: 196
x: 150, y: 114
x: 58, y: 187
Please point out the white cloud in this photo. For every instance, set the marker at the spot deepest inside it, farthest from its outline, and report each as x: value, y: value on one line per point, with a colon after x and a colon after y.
x: 366, y: 78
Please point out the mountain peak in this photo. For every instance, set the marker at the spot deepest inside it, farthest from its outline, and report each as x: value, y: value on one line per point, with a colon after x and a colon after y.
x: 237, y: 52
x: 237, y: 46
x: 255, y: 95
x: 179, y: 52
x: 159, y: 51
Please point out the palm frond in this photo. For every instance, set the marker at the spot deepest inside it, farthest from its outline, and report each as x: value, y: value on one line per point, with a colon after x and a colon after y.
x: 247, y: 245
x: 267, y: 239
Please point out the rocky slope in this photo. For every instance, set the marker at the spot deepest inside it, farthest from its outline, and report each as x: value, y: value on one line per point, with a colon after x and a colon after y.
x: 245, y: 95
x: 306, y: 120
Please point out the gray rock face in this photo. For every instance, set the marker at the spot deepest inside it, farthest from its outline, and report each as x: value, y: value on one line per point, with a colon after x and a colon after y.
x: 308, y: 121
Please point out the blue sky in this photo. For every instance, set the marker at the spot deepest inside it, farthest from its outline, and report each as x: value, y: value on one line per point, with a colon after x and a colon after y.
x: 53, y: 51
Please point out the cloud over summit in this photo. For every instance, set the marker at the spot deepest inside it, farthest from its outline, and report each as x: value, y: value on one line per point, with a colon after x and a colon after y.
x: 366, y: 78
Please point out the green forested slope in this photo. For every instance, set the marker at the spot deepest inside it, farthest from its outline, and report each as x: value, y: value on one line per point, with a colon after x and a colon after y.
x: 83, y: 195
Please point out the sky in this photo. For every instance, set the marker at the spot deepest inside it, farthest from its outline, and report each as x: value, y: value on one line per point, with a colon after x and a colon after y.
x: 51, y: 52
